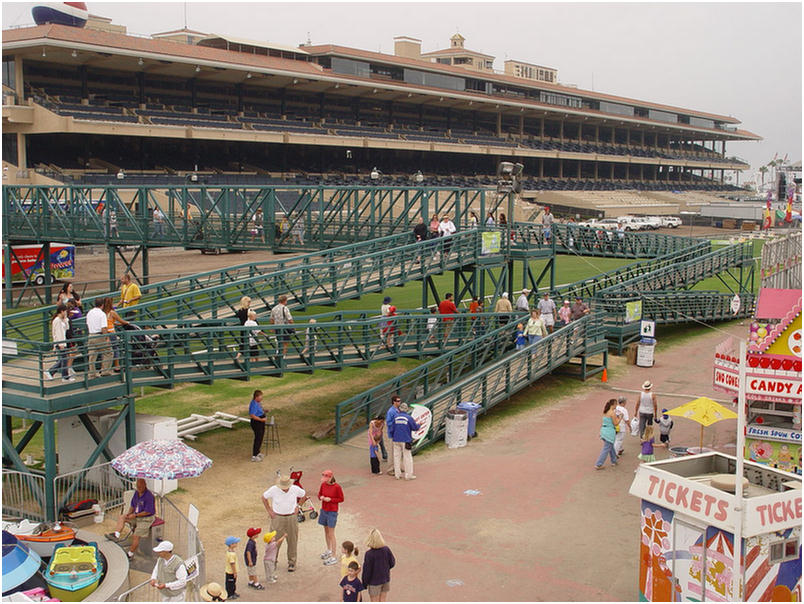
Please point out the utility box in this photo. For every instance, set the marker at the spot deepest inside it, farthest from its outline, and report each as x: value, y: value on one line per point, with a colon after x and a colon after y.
x: 75, y: 444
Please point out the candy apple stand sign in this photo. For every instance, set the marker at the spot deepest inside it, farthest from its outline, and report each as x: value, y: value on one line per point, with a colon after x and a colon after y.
x: 424, y: 417
x: 773, y: 380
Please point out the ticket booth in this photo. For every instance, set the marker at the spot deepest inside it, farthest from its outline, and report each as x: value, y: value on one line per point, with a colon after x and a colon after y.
x: 687, y: 526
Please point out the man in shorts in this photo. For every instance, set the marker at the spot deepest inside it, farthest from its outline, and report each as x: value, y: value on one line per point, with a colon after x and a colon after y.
x: 139, y: 517
x: 280, y: 315
x: 548, y: 310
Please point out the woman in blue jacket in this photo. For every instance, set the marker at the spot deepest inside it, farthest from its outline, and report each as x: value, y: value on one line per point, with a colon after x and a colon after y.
x: 377, y: 565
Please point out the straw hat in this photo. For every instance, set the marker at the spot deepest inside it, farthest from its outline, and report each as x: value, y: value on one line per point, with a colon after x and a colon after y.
x: 284, y: 482
x: 212, y: 590
x: 647, y: 385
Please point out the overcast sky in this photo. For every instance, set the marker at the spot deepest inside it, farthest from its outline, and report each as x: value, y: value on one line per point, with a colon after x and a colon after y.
x: 733, y: 59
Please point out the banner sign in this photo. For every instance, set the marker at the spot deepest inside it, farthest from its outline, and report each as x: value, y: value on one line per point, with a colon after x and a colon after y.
x: 633, y: 311
x: 424, y: 417
x: 491, y: 242
x: 760, y: 387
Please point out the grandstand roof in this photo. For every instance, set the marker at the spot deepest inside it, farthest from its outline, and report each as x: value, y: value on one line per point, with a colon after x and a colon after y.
x: 455, y: 51
x: 149, y: 48
x: 255, y: 43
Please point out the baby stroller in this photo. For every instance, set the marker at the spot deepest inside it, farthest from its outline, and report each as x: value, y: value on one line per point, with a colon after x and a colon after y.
x: 305, y: 503
x: 143, y: 346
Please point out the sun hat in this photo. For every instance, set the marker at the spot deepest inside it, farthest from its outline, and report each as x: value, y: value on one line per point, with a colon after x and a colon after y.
x: 404, y: 408
x: 284, y: 482
x: 327, y: 473
x: 647, y: 385
x: 253, y: 531
x: 212, y: 591
x: 164, y: 546
x: 268, y: 537
x: 231, y: 541
x: 505, y: 294
x: 526, y: 291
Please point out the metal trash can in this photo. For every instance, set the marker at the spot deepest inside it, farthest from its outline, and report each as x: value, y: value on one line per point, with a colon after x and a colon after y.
x: 472, y: 409
x: 645, y: 352
x: 455, y: 429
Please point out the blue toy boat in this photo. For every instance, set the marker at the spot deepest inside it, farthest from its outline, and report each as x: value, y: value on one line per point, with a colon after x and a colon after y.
x: 19, y: 563
x: 74, y: 572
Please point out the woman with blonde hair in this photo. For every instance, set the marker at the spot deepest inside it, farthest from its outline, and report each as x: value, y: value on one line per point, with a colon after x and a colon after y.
x: 242, y: 315
x: 377, y: 565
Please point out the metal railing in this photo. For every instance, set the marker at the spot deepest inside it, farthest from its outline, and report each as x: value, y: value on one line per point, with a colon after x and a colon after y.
x: 23, y: 495
x: 186, y: 544
x: 98, y: 482
x: 184, y: 352
x: 481, y: 371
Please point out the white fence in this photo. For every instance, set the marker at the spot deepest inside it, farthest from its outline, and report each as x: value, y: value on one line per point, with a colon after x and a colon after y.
x: 24, y: 495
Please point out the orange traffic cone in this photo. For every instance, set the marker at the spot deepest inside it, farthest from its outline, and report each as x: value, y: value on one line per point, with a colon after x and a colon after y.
x: 605, y: 377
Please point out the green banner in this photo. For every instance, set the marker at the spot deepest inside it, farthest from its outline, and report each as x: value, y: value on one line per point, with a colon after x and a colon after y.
x: 633, y: 311
x: 491, y: 243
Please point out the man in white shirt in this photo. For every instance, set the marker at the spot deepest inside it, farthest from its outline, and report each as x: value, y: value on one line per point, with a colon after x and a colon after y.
x: 280, y: 315
x: 622, y: 427
x: 159, y: 223
x: 522, y: 303
x: 98, y: 341
x: 170, y: 574
x: 446, y: 228
x: 282, y: 509
x: 547, y: 226
x: 548, y: 310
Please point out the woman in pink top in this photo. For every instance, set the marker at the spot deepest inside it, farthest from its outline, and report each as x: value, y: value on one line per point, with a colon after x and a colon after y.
x: 375, y: 430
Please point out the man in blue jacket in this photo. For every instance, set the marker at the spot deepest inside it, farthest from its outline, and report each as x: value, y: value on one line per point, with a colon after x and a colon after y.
x: 389, y: 423
x: 401, y: 431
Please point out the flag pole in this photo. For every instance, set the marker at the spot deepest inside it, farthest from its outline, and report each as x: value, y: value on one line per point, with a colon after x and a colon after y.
x: 738, y: 478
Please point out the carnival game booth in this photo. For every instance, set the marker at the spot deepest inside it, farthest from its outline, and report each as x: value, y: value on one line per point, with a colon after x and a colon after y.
x: 773, y: 379
x: 689, y: 517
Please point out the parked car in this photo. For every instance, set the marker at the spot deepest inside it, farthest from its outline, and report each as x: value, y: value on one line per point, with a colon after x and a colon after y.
x: 628, y: 223
x: 671, y: 222
x: 645, y: 223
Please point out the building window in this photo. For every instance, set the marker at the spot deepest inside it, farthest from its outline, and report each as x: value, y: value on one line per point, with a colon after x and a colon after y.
x: 462, y: 61
x: 784, y: 550
x: 443, y: 61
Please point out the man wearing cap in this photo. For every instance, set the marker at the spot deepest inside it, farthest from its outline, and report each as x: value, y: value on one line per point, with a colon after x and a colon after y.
x: 548, y: 309
x: 646, y: 408
x: 282, y: 509
x: 389, y: 420
x: 139, y: 517
x: 522, y: 301
x: 169, y: 575
x: 578, y: 309
x: 401, y: 431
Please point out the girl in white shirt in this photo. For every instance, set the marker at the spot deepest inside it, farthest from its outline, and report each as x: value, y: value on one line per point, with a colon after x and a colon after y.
x: 58, y: 332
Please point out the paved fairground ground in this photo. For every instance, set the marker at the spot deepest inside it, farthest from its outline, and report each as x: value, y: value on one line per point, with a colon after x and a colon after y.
x: 520, y: 514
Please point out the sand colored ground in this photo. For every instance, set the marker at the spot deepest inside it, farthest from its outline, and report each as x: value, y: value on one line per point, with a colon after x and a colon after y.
x: 545, y: 525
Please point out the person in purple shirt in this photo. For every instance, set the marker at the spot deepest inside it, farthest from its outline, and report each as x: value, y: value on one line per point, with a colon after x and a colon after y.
x: 377, y: 565
x: 139, y: 517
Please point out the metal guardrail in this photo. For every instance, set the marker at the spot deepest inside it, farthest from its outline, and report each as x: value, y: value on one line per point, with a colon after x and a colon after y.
x: 325, y: 282
x: 481, y: 371
x: 202, y: 353
x: 98, y: 482
x: 23, y: 495
x: 186, y: 543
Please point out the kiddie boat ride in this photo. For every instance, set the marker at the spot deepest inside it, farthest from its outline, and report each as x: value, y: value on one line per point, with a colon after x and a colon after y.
x: 20, y: 564
x: 41, y: 537
x: 74, y: 572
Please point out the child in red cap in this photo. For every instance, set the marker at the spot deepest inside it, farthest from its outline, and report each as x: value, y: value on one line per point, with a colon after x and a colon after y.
x: 250, y: 554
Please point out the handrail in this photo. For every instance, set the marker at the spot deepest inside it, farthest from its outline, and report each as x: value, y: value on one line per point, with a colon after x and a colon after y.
x: 475, y: 371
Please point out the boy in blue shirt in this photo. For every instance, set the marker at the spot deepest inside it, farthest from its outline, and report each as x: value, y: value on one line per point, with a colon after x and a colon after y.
x: 351, y: 585
x: 519, y: 338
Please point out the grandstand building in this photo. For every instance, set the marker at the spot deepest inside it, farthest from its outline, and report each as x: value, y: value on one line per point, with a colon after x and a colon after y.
x: 85, y: 103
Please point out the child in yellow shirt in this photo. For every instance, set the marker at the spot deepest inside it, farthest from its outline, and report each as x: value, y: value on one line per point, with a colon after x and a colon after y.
x: 231, y: 568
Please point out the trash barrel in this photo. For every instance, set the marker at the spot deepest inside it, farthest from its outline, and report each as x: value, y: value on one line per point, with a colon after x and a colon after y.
x: 645, y: 350
x: 455, y: 432
x: 472, y: 409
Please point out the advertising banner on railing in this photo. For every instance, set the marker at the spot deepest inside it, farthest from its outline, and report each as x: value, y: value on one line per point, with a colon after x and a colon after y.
x: 633, y: 311
x: 491, y: 243
x: 424, y: 417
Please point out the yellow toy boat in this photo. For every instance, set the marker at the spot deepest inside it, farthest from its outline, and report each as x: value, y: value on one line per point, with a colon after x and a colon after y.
x: 74, y: 572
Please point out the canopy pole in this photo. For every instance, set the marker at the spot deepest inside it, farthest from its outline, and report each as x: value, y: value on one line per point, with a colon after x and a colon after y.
x: 700, y: 446
x: 738, y: 479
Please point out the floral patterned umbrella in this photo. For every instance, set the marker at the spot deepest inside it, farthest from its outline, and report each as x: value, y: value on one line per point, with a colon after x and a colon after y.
x: 161, y: 459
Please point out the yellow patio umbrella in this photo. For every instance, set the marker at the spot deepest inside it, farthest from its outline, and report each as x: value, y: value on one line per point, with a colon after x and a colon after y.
x: 705, y: 411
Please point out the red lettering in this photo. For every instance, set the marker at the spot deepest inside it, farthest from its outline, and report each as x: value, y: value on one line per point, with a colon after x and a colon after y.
x: 667, y: 495
x: 788, y: 509
x: 653, y: 480
x: 774, y: 515
x: 761, y: 509
x: 709, y: 501
x: 722, y: 510
x: 681, y: 496
x: 661, y: 489
x: 695, y: 502
x: 798, y: 508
